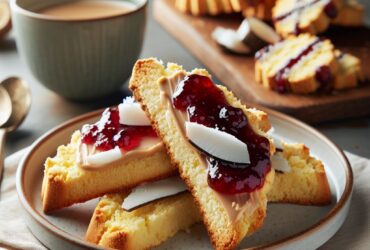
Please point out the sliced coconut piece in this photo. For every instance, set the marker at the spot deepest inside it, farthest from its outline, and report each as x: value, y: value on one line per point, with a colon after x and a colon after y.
x: 256, y: 34
x: 5, y: 20
x: 153, y: 191
x: 229, y: 40
x: 104, y: 157
x: 278, y: 142
x: 130, y: 113
x: 217, y: 143
x: 279, y: 163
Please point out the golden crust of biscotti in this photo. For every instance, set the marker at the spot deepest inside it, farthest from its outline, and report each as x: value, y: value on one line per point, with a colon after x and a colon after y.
x: 305, y: 184
x: 238, y: 5
x: 103, y: 213
x: 143, y: 228
x: 259, y: 9
x: 183, y: 5
x: 223, y: 233
x: 349, y: 71
x: 197, y: 7
x: 65, y: 183
x: 312, y: 19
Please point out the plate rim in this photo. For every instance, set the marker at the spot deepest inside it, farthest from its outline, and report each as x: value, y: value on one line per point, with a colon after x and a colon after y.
x: 64, y: 235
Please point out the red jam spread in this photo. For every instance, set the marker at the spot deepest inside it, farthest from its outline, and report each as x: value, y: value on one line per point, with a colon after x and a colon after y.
x: 330, y: 10
x: 206, y: 104
x: 108, y: 133
x: 324, y: 76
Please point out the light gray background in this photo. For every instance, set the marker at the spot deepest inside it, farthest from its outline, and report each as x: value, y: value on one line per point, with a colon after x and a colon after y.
x: 49, y: 110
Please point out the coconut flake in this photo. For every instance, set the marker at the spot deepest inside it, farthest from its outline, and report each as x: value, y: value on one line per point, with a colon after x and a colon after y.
x: 280, y: 163
x: 104, y: 157
x: 217, y: 143
x: 256, y: 34
x: 229, y: 40
x: 252, y: 35
x: 130, y: 113
x: 153, y: 191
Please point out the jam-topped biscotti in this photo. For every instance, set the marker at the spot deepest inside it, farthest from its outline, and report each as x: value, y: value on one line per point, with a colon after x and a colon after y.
x: 293, y: 17
x: 299, y: 178
x: 305, y: 64
x: 118, y: 152
x: 218, y: 145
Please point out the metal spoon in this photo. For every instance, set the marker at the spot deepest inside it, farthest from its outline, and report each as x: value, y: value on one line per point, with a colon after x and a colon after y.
x: 5, y: 106
x: 19, y: 94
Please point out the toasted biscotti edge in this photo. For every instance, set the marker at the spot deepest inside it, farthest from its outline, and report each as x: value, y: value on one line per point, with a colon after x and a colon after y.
x: 145, y: 76
x: 262, y: 10
x: 145, y: 227
x: 101, y: 215
x: 65, y: 184
x: 305, y: 184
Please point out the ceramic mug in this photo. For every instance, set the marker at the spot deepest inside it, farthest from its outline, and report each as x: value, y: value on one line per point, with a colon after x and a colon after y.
x: 79, y: 59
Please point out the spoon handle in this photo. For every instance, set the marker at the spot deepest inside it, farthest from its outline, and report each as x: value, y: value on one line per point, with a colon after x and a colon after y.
x: 2, y: 147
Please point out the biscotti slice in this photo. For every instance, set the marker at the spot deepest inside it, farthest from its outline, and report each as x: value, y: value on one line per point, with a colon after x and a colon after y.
x: 214, y: 7
x: 183, y: 5
x: 143, y: 228
x: 205, y: 7
x: 303, y: 181
x: 198, y: 7
x: 238, y: 5
x: 349, y: 71
x: 302, y: 64
x: 351, y: 14
x: 103, y: 158
x: 226, y: 6
x: 228, y: 218
x: 300, y: 179
x: 259, y: 9
x: 311, y: 16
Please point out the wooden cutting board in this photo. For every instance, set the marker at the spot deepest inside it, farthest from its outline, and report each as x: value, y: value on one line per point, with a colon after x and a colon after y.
x: 237, y: 72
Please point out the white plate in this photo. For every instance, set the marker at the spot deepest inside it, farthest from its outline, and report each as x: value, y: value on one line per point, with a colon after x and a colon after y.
x: 286, y: 226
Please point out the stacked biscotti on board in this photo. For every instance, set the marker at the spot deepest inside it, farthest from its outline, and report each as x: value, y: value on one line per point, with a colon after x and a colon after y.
x: 288, y: 14
x: 306, y: 64
x: 300, y: 62
x: 249, y: 8
x: 121, y: 151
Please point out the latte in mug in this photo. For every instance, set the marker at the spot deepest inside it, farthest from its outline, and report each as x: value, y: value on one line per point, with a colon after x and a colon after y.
x: 88, y: 9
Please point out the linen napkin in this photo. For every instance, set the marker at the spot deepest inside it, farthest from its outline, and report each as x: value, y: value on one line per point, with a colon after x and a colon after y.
x: 354, y: 233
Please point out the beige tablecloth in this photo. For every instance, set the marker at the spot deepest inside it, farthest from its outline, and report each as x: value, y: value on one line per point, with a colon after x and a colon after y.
x: 354, y: 234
